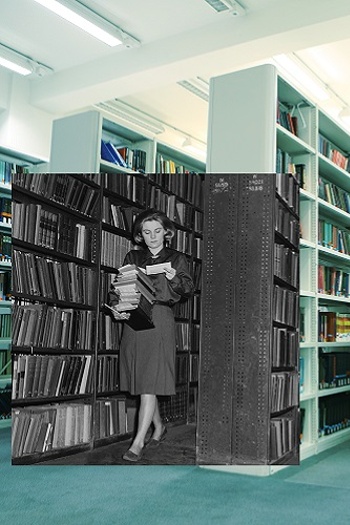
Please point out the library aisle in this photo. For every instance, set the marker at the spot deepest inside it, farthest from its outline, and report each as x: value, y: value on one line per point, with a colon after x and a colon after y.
x: 177, y: 449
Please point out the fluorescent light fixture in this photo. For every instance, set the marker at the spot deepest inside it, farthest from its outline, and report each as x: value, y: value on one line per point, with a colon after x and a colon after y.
x: 294, y: 68
x: 21, y: 64
x: 131, y: 115
x: 81, y: 16
x: 344, y: 115
x: 198, y: 86
x: 227, y: 6
x: 193, y: 147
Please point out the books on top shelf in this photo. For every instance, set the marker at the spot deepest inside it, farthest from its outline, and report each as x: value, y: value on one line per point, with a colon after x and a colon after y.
x: 333, y: 153
x: 134, y: 159
x: 134, y: 293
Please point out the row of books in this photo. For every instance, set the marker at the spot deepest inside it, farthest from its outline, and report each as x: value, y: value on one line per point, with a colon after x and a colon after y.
x: 284, y: 390
x: 333, y: 327
x: 6, y: 170
x: 286, y: 265
x: 43, y: 326
x: 286, y: 224
x: 285, y: 118
x: 5, y: 362
x: 285, y: 306
x: 114, y: 249
x: 112, y: 418
x: 283, y: 436
x: 334, y: 413
x: 187, y: 368
x: 333, y: 153
x: 46, y: 277
x: 107, y: 373
x: 5, y: 245
x: 187, y: 186
x: 182, y: 241
x: 56, y: 231
x: 40, y: 429
x: 134, y: 159
x: 333, y: 281
x: 332, y: 237
x: 334, y: 195
x: 50, y: 376
x: 118, y: 215
x: 131, y: 187
x: 334, y: 369
x: 5, y: 325
x: 65, y: 189
x: 182, y: 309
x: 176, y: 210
x: 182, y: 336
x: 110, y: 333
x: 5, y: 211
x: 284, y: 348
x: 284, y: 162
x: 287, y: 188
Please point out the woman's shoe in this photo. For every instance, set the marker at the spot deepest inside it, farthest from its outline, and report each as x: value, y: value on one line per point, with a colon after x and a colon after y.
x: 131, y: 456
x: 152, y: 443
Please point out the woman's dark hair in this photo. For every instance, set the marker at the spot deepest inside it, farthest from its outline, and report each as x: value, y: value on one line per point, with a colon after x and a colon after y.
x: 152, y: 215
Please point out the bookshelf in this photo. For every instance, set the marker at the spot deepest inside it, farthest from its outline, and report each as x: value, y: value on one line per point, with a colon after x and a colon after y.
x: 262, y: 140
x: 10, y: 163
x: 71, y: 233
x: 248, y: 389
x: 76, y: 147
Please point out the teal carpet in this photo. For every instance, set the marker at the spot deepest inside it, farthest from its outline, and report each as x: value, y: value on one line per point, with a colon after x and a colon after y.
x: 331, y: 471
x: 169, y: 495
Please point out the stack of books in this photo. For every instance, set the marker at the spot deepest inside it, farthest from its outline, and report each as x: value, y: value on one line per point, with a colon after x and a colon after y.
x: 136, y: 295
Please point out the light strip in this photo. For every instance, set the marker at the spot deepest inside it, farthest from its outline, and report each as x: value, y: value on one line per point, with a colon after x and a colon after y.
x: 89, y: 21
x: 131, y: 115
x: 197, y: 86
x: 21, y: 64
x: 297, y: 71
x: 14, y: 67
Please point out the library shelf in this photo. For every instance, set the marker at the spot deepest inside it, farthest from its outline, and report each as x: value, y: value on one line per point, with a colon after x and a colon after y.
x: 103, y: 413
x: 311, y: 145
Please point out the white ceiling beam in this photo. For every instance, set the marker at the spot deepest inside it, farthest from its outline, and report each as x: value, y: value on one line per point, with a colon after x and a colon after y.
x: 225, y: 46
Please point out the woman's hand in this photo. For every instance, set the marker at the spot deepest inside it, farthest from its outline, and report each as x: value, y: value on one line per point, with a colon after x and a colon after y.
x: 169, y: 273
x: 119, y: 316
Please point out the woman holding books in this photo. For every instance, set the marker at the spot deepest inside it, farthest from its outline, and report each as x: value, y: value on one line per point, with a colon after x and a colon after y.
x: 147, y: 356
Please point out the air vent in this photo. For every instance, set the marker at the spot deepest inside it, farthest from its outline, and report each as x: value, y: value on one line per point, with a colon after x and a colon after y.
x: 228, y: 6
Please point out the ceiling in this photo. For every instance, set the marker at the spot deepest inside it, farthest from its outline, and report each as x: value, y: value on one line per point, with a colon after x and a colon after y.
x: 180, y: 39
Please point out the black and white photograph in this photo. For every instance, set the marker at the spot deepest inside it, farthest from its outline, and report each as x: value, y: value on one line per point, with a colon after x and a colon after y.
x: 175, y: 261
